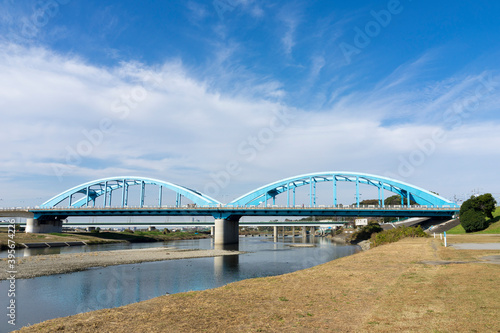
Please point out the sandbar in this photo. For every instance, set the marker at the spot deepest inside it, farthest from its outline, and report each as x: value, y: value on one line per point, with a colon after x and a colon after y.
x: 30, y: 267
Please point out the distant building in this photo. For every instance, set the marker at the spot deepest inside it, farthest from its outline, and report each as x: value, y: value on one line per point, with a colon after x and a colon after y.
x: 361, y: 222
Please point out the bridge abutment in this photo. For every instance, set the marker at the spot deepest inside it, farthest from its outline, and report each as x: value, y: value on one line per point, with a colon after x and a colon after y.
x: 43, y: 226
x: 226, y: 231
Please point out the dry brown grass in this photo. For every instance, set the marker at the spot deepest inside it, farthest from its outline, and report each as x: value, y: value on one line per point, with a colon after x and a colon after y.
x: 442, y: 298
x: 385, y: 289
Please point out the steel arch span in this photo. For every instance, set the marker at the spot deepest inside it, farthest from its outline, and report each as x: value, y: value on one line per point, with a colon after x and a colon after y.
x: 288, y: 186
x: 106, y: 186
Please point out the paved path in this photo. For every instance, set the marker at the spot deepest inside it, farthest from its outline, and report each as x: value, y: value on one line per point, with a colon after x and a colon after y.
x: 441, y: 226
x: 476, y: 246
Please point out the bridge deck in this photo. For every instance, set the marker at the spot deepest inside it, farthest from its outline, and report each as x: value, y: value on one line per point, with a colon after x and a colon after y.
x: 367, y: 211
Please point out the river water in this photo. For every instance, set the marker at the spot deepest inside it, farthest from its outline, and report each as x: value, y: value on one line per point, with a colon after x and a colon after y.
x: 47, y: 297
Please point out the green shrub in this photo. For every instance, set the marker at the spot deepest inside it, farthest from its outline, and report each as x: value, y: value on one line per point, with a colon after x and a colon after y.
x: 394, y: 235
x: 338, y: 231
x: 130, y: 231
x: 484, y: 203
x: 473, y: 220
x: 365, y: 232
x: 474, y: 211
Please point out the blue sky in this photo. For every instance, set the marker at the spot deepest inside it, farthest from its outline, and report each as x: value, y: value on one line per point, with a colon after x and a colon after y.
x: 179, y: 90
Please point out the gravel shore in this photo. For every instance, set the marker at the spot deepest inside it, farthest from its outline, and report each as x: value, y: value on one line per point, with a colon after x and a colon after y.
x: 29, y: 267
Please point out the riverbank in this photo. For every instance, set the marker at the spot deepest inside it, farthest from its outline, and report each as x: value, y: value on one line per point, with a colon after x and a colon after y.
x: 91, y: 238
x: 34, y: 266
x: 388, y: 288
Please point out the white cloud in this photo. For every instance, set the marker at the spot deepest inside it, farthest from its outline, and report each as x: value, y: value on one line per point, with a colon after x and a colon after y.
x: 198, y: 11
x: 167, y: 124
x: 290, y: 20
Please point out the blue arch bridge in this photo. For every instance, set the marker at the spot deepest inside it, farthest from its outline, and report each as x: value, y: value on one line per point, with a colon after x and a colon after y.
x: 110, y: 197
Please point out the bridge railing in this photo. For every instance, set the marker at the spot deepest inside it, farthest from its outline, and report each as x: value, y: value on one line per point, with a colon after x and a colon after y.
x: 242, y: 208
x: 228, y: 208
x: 14, y: 209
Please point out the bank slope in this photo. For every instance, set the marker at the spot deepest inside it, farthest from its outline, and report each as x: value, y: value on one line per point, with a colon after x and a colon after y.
x: 384, y: 289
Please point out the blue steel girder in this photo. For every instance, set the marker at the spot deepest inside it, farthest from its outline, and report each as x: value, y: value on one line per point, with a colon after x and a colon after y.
x: 419, y: 195
x: 236, y: 212
x: 92, y: 190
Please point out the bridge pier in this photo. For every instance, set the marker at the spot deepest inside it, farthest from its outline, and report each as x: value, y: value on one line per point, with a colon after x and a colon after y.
x: 44, y: 226
x: 227, y: 231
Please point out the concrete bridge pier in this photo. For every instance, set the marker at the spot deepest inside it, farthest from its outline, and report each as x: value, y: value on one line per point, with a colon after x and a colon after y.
x: 304, y: 232
x: 227, y: 230
x: 275, y: 232
x: 45, y: 225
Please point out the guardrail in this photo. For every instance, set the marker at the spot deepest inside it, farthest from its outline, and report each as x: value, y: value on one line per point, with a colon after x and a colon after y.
x: 353, y: 207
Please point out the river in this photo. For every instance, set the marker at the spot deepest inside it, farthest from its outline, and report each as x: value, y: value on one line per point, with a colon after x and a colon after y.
x: 47, y: 297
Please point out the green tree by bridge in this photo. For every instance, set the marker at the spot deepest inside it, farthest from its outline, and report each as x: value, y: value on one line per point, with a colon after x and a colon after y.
x: 474, y: 211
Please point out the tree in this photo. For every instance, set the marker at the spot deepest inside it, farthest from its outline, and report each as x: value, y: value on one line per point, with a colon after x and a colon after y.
x: 369, y: 202
x: 468, y: 205
x: 395, y: 200
x: 473, y: 220
x: 474, y: 211
x: 365, y: 232
x: 486, y: 203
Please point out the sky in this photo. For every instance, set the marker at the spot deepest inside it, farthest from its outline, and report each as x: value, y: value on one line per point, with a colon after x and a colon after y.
x: 225, y: 96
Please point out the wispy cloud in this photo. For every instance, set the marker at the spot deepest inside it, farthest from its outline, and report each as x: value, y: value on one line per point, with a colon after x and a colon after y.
x: 182, y: 127
x: 290, y: 19
x: 198, y: 12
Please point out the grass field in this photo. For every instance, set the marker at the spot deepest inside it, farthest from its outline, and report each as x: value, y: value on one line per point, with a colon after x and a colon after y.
x: 385, y: 289
x: 494, y: 228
